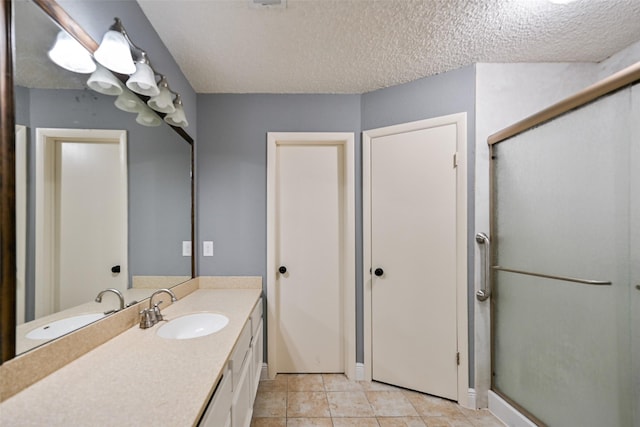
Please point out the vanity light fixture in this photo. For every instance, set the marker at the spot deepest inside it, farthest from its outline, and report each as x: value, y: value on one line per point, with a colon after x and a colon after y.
x: 143, y: 81
x: 177, y: 118
x: 115, y: 50
x: 116, y: 54
x: 68, y: 53
x: 163, y: 101
x: 102, y: 81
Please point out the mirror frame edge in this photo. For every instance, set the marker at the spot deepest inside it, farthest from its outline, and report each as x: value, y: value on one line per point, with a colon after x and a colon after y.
x: 7, y: 189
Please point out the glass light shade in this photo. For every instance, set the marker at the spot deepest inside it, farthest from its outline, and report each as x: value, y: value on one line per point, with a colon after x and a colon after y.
x: 163, y: 102
x: 143, y: 81
x: 70, y: 55
x: 115, y: 53
x: 177, y: 118
x: 129, y: 102
x: 102, y: 81
x: 147, y: 117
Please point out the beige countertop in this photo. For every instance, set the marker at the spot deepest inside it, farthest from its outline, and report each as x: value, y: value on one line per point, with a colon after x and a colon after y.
x: 138, y: 378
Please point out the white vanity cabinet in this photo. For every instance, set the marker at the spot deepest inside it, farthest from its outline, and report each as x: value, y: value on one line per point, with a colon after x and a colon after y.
x: 232, y: 402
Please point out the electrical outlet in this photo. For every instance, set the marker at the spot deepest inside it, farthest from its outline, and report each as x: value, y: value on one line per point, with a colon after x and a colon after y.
x: 186, y: 248
x: 207, y: 248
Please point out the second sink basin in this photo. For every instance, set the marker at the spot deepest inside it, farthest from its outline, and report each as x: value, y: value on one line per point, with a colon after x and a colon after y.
x: 193, y: 326
x: 63, y: 326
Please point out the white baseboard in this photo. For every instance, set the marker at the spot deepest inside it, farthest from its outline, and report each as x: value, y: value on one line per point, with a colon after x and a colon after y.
x: 264, y: 374
x: 507, y: 413
x: 471, y: 398
x: 359, y: 371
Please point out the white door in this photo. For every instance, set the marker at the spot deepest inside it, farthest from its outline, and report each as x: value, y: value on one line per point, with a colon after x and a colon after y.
x: 413, y: 257
x: 311, y: 234
x: 90, y: 202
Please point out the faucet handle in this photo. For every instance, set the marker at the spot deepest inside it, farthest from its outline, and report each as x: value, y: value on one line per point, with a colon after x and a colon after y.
x: 156, y: 312
x: 145, y: 319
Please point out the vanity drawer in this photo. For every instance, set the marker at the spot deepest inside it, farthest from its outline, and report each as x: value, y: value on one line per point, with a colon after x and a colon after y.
x: 256, y: 317
x: 239, y: 354
x: 218, y: 412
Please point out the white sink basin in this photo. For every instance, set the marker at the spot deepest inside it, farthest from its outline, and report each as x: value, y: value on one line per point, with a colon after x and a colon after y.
x: 63, y: 326
x: 193, y: 326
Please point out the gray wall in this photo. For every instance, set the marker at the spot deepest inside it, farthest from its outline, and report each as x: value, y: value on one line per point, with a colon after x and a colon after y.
x: 232, y: 167
x: 439, y: 95
x: 232, y: 158
x: 22, y: 101
x: 159, y: 196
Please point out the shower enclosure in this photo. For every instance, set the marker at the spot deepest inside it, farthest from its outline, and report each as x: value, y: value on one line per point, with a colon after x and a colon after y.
x: 565, y: 259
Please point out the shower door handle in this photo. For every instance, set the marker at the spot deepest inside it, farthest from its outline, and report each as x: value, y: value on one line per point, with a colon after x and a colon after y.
x: 485, y: 291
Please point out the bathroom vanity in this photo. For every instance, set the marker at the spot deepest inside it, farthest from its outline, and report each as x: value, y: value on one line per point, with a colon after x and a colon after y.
x: 139, y: 377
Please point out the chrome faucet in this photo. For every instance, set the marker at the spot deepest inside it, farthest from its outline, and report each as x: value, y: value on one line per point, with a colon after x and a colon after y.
x: 115, y: 291
x: 152, y: 315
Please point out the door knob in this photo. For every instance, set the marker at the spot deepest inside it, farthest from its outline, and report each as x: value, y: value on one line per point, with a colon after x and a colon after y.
x: 378, y: 272
x: 282, y: 269
x: 115, y: 269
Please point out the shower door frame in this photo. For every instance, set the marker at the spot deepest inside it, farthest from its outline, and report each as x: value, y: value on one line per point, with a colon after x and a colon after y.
x: 620, y: 80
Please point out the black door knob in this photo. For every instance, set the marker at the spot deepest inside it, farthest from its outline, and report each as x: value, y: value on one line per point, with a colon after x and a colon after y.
x: 378, y: 272
x: 282, y: 269
x: 115, y: 269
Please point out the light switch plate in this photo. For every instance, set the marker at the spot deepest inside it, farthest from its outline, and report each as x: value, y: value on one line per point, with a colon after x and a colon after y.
x: 207, y: 248
x: 186, y: 248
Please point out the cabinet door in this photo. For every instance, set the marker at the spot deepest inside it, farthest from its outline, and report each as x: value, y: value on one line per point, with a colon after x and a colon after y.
x: 242, y: 406
x: 256, y: 362
x: 218, y: 412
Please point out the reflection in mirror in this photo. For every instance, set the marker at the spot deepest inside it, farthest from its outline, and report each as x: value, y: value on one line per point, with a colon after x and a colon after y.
x: 102, y: 202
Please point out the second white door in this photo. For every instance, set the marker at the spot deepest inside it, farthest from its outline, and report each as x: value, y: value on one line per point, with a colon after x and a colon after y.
x: 413, y: 259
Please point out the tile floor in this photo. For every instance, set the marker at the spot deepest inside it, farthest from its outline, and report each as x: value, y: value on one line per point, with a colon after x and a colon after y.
x: 331, y: 400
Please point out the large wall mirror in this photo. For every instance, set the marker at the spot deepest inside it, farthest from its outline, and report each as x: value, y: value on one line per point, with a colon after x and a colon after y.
x: 101, y: 202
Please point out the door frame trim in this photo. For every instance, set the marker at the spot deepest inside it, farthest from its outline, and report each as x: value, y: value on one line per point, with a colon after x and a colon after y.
x: 347, y: 141
x: 460, y: 120
x: 45, y: 209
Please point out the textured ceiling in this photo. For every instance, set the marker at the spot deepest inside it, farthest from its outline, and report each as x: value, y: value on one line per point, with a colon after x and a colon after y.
x: 355, y: 46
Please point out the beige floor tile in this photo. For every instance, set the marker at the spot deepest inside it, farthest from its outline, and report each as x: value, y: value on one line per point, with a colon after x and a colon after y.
x: 270, y: 404
x: 277, y: 384
x: 309, y: 422
x: 376, y: 386
x: 269, y: 422
x: 482, y: 418
x: 307, y: 404
x: 390, y: 404
x: 349, y: 404
x: 339, y: 382
x: 459, y: 421
x: 305, y: 382
x: 401, y: 422
x: 430, y: 406
x: 355, y: 422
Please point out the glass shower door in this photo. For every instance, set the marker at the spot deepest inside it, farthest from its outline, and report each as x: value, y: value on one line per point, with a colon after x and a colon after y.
x: 562, y: 295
